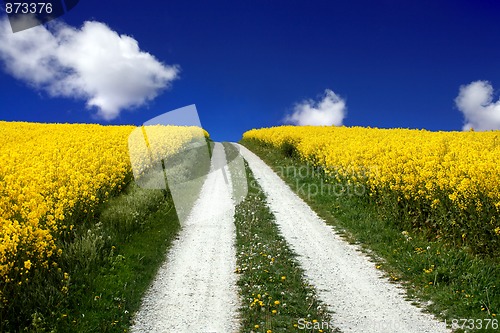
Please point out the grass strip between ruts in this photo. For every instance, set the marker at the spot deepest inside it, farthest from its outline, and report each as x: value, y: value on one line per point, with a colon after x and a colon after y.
x: 275, y: 295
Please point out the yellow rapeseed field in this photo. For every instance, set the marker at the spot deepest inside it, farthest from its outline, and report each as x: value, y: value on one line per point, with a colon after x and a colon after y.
x: 49, y: 172
x: 453, y: 177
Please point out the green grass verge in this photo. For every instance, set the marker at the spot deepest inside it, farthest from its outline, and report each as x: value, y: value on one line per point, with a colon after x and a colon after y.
x: 112, y: 263
x: 448, y: 281
x: 274, y: 292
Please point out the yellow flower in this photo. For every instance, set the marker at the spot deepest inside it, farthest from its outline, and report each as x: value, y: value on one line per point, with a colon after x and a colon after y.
x: 457, y: 171
x: 49, y: 172
x: 430, y: 270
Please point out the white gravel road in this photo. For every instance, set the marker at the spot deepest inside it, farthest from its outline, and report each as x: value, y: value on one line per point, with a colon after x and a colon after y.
x: 363, y: 300
x: 195, y: 289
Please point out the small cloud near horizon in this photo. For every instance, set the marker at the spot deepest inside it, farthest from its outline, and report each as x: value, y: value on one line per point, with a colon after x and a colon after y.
x: 330, y: 110
x: 475, y: 101
x: 92, y: 63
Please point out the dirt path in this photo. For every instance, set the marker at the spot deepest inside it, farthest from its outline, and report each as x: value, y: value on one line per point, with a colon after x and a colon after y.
x: 195, y: 289
x: 346, y: 280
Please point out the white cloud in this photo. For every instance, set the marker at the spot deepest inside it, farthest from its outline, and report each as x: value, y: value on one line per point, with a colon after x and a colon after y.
x: 475, y: 101
x: 93, y: 63
x: 330, y: 110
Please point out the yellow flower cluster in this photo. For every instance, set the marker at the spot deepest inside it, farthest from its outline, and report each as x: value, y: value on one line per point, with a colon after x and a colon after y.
x: 49, y: 172
x: 459, y: 168
x: 413, y: 162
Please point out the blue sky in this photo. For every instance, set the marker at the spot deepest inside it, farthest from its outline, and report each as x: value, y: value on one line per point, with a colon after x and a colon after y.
x: 249, y: 64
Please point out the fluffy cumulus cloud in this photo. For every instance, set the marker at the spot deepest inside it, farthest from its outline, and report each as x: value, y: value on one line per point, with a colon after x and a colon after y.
x: 329, y: 110
x: 480, y: 111
x: 93, y: 63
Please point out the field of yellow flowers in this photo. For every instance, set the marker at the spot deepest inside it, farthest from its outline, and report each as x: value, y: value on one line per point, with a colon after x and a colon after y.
x: 54, y: 175
x: 445, y: 183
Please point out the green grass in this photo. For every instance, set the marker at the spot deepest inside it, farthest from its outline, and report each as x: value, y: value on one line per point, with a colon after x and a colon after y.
x: 268, y: 271
x: 112, y: 264
x: 449, y: 281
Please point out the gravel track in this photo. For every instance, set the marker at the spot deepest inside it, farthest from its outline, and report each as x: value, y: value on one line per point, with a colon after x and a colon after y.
x: 346, y: 280
x: 195, y: 289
